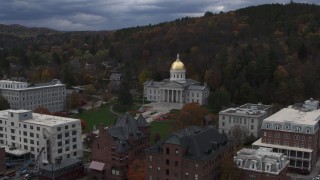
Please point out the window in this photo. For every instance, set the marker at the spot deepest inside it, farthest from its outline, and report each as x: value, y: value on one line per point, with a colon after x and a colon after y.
x: 74, y: 139
x: 74, y: 132
x: 302, y: 138
x: 222, y: 123
x: 264, y: 133
x: 176, y: 163
x: 60, y: 143
x: 251, y: 126
x: 66, y: 141
x: 167, y: 172
x: 267, y: 126
x: 59, y: 136
x: 31, y: 127
x: 167, y: 162
x: 74, y: 146
x: 59, y: 151
x: 278, y: 127
x: 66, y: 127
x: 31, y: 135
x: 24, y: 126
x: 38, y: 128
x: 177, y: 151
x: 167, y: 150
x: 66, y: 134
x: 58, y: 128
x: 297, y: 129
x: 308, y: 130
x: 73, y: 125
x: 196, y: 177
x: 31, y: 141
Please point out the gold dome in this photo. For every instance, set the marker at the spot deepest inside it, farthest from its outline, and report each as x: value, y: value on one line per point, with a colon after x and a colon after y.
x: 177, y: 65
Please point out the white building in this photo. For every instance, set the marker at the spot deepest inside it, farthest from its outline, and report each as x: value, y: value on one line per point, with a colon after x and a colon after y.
x: 260, y: 162
x: 24, y: 132
x: 244, y: 120
x: 22, y: 95
x: 177, y: 89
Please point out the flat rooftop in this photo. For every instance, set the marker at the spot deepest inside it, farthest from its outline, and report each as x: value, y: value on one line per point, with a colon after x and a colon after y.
x: 40, y: 119
x: 261, y: 144
x: 295, y: 116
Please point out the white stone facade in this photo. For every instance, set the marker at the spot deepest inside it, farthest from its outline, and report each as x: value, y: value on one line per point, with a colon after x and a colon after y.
x: 261, y: 160
x: 21, y: 95
x: 24, y: 131
x: 177, y: 89
x: 244, y: 120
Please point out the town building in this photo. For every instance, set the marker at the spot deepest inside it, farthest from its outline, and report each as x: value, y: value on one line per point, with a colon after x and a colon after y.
x: 23, y: 95
x: 66, y: 169
x: 244, y: 120
x: 261, y: 164
x: 177, y: 89
x: 118, y: 146
x: 192, y: 153
x: 2, y: 160
x: 23, y: 132
x: 294, y: 131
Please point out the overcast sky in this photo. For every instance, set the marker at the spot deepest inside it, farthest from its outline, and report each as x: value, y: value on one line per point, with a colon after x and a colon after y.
x: 81, y: 15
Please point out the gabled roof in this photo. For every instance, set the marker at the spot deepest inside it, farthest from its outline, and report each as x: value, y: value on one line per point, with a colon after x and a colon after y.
x: 199, y: 142
x: 124, y: 128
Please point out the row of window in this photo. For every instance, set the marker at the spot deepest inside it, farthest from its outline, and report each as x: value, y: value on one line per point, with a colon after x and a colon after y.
x: 287, y: 143
x: 288, y: 127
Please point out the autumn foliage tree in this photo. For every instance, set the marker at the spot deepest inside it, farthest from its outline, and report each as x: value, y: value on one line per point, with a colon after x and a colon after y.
x: 137, y: 170
x: 190, y: 114
x: 42, y: 110
x: 83, y: 124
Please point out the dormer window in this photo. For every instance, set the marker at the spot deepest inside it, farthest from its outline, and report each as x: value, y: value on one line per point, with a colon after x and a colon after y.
x: 287, y: 126
x: 253, y: 165
x: 297, y: 129
x: 268, y: 167
x: 308, y: 130
x: 267, y: 126
x: 239, y: 162
x: 278, y: 127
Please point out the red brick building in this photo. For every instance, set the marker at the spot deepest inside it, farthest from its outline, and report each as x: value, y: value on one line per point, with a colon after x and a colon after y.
x: 295, y: 133
x: 116, y: 147
x: 66, y: 169
x: 261, y: 164
x: 2, y: 160
x: 192, y: 153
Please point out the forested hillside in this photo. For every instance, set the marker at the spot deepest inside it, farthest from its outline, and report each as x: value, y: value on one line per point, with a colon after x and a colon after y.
x: 267, y: 53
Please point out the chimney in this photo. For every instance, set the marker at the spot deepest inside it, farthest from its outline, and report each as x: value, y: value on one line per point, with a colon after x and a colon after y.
x: 101, y: 128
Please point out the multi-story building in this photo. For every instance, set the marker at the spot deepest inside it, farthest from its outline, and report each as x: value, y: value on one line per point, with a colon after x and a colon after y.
x: 23, y: 95
x: 192, y: 153
x: 295, y: 133
x: 261, y: 164
x: 66, y: 169
x: 24, y: 132
x: 118, y: 146
x: 177, y: 89
x: 244, y: 120
x: 2, y: 160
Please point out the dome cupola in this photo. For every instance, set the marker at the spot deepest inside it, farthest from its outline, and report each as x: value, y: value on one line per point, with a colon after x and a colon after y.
x: 178, y: 71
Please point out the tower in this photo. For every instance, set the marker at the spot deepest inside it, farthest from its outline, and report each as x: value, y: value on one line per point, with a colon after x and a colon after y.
x: 178, y: 71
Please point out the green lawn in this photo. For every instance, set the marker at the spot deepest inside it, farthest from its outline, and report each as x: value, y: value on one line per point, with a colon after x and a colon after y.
x: 97, y: 116
x: 164, y: 128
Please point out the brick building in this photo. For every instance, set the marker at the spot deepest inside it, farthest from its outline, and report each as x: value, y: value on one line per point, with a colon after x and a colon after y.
x: 66, y: 169
x: 261, y: 164
x: 117, y: 147
x: 192, y: 153
x: 295, y: 133
x: 2, y: 160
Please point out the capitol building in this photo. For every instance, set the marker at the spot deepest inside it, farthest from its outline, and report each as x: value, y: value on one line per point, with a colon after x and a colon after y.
x: 177, y: 89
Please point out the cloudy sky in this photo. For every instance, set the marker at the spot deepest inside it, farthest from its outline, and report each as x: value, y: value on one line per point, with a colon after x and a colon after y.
x: 80, y: 15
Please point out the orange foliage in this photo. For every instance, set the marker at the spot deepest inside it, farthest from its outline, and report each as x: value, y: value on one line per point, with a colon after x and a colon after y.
x: 83, y: 124
x: 41, y: 110
x: 191, y: 114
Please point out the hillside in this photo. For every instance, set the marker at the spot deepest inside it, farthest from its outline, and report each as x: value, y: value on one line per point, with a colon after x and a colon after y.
x: 267, y: 53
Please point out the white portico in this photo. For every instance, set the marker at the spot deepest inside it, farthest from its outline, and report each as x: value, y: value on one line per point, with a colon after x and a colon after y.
x: 177, y: 89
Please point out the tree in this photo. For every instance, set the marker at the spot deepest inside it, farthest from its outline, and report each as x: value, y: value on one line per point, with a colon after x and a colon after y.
x: 4, y: 104
x: 83, y: 124
x: 190, y: 114
x: 73, y: 100
x: 157, y: 137
x: 137, y: 170
x: 42, y: 110
x: 88, y: 140
x: 124, y: 95
x: 219, y: 98
x: 229, y: 170
x: 145, y: 75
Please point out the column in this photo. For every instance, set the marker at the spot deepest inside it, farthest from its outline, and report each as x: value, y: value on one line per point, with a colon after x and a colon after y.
x: 181, y: 100
x: 171, y: 95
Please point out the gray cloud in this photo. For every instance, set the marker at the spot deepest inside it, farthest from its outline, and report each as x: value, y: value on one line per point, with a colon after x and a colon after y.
x: 112, y: 14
